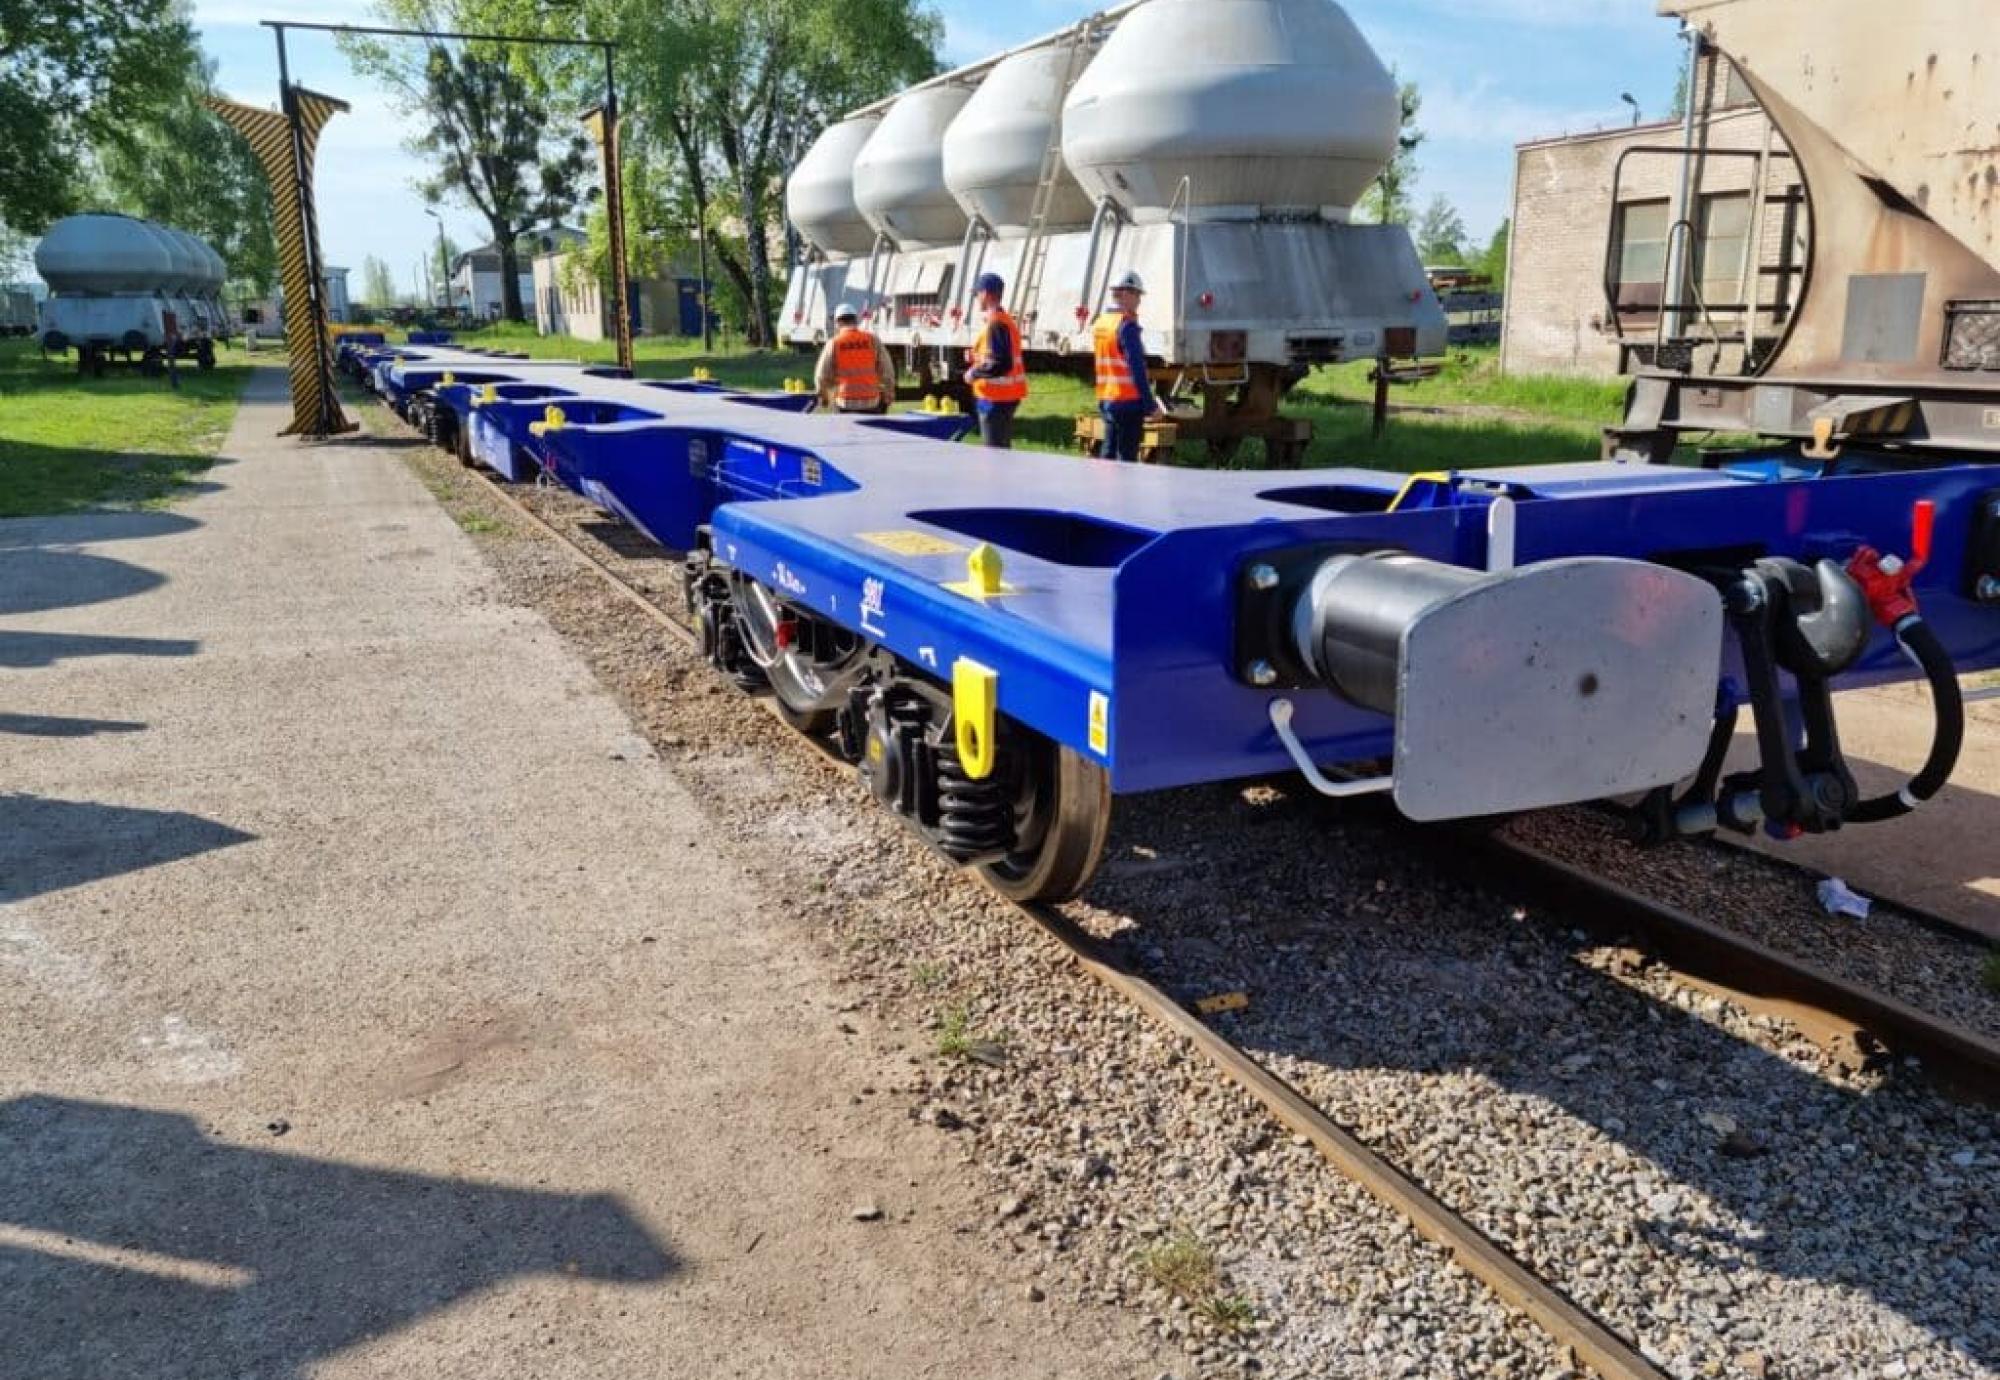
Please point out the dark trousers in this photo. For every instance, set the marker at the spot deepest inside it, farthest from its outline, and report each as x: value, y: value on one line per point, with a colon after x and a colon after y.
x: 996, y: 424
x: 1124, y: 429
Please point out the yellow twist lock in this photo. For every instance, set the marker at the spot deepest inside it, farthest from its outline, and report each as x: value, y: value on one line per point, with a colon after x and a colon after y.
x: 487, y: 393
x: 975, y: 707
x: 552, y: 420
x: 930, y: 403
x: 701, y: 374
x: 983, y: 570
x: 449, y: 377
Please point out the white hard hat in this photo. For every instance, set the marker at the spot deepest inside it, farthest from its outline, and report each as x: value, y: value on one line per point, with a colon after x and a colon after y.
x: 1129, y: 279
x: 845, y: 312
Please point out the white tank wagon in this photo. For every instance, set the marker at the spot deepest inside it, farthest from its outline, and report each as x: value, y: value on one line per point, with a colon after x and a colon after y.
x: 115, y: 280
x: 1215, y: 146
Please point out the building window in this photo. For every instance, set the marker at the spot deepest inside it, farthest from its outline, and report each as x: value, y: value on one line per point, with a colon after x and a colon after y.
x: 1721, y: 246
x: 1639, y: 256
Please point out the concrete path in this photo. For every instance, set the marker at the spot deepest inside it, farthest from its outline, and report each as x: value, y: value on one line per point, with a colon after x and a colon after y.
x: 376, y: 1007
x: 1944, y: 857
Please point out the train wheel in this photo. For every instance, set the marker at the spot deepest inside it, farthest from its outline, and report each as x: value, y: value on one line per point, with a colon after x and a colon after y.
x: 1061, y: 818
x: 806, y: 661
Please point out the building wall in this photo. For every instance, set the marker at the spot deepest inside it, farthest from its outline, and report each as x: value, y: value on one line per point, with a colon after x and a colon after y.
x: 1558, y: 316
x: 337, y: 306
x: 479, y: 291
x: 582, y: 313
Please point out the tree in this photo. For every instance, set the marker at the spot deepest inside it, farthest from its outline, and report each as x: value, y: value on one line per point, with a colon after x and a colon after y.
x: 733, y: 90
x: 1388, y: 201
x: 188, y: 169
x: 378, y: 284
x: 492, y: 137
x: 1493, y: 261
x: 444, y: 252
x: 1441, y: 233
x: 77, y: 77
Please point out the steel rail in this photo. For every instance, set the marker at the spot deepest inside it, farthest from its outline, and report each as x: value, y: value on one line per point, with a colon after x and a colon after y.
x: 1724, y: 958
x: 1561, y: 1317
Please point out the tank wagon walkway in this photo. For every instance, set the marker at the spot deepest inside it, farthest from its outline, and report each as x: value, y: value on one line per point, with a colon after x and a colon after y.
x: 374, y: 1008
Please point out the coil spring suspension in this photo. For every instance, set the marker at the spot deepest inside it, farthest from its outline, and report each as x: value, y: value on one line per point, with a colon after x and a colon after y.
x: 709, y: 599
x: 975, y: 818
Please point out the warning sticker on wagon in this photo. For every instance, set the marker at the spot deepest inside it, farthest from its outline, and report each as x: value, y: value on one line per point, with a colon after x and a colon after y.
x: 905, y: 542
x: 1100, y: 723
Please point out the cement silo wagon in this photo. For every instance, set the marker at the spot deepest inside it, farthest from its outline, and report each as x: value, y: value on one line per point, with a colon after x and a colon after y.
x: 118, y: 283
x: 1217, y: 147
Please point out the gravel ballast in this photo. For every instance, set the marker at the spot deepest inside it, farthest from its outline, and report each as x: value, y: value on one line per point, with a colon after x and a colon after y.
x: 1707, y: 1181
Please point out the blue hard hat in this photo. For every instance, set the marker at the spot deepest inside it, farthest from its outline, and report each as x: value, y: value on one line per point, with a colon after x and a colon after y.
x: 989, y: 282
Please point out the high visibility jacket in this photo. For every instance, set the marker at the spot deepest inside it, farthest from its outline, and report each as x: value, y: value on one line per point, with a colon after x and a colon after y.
x: 856, y: 384
x: 1115, y: 383
x: 1011, y: 386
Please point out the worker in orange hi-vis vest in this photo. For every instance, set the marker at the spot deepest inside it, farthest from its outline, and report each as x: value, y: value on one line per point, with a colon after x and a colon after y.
x: 1125, y: 394
x: 998, y: 374
x: 854, y: 373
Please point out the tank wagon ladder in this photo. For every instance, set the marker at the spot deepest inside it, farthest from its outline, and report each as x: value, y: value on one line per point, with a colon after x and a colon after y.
x: 1035, y: 249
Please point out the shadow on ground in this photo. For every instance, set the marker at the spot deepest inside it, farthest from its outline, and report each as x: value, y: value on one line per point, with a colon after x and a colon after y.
x: 57, y: 726
x: 41, y: 569
x: 28, y: 651
x: 47, y: 845
x: 131, y: 1244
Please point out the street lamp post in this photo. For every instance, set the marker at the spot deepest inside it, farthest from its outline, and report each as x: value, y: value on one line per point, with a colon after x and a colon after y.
x: 1627, y: 97
x: 444, y: 268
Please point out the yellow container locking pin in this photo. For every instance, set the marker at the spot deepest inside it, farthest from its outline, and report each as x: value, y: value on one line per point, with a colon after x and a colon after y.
x: 930, y: 403
x: 983, y: 570
x: 552, y: 420
x: 487, y: 393
x: 975, y: 709
x: 449, y: 377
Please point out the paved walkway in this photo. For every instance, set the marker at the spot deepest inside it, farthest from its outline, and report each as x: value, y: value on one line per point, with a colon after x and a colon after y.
x: 374, y: 1006
x: 1945, y: 857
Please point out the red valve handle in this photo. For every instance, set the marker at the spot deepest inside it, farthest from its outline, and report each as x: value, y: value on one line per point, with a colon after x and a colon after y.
x: 1885, y: 581
x: 1923, y: 520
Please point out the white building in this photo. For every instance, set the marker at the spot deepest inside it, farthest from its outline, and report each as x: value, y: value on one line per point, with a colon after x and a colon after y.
x: 337, y: 305
x: 476, y: 284
x: 667, y: 305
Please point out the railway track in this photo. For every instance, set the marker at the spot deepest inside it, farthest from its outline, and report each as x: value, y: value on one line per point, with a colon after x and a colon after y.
x: 1826, y: 1007
x: 1848, y: 1017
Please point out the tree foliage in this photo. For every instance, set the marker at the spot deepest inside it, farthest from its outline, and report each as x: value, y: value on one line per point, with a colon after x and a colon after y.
x: 78, y: 77
x: 491, y: 137
x: 378, y: 284
x: 1389, y: 201
x: 1441, y: 234
x: 189, y: 170
x: 1493, y: 260
x: 730, y: 92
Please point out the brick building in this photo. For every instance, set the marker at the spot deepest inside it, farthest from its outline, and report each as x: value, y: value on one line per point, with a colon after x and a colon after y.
x: 1594, y: 221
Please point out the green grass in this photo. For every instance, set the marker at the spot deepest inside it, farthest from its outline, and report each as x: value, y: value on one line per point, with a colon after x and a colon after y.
x: 956, y: 1039
x: 1184, y: 1266
x: 70, y: 443
x: 1471, y: 378
x: 1227, y: 1313
x: 1471, y: 415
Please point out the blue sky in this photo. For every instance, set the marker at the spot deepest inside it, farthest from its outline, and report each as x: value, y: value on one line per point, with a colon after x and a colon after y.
x: 1493, y: 73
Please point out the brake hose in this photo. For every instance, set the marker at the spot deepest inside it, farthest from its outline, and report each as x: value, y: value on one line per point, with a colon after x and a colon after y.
x: 1924, y: 648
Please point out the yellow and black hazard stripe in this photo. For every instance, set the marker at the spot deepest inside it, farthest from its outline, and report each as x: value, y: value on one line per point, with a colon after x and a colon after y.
x: 287, y: 153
